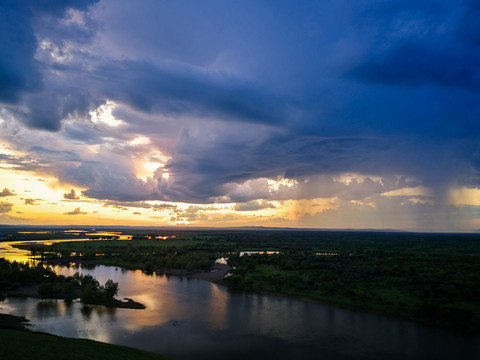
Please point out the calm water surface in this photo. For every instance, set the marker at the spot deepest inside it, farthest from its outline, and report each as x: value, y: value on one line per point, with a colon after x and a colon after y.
x: 194, y: 319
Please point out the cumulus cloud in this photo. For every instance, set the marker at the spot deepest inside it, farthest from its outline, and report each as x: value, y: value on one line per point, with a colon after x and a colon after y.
x: 14, y: 220
x: 71, y: 195
x: 5, y: 207
x: 126, y: 204
x: 253, y: 206
x: 76, y: 211
x: 160, y: 207
x: 6, y: 192
x: 30, y: 201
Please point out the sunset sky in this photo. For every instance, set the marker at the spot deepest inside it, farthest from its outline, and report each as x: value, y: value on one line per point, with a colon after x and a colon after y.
x: 318, y: 114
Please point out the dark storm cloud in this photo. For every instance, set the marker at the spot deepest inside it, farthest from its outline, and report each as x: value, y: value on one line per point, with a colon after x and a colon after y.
x: 251, y: 91
x: 22, y: 75
x: 199, y: 171
x: 48, y: 109
x: 55, y: 7
x: 27, y: 163
x: 430, y: 42
x: 83, y: 132
x: 114, y: 185
x: 425, y: 59
x: 57, y: 154
x: 174, y: 89
x: 19, y: 71
x: 413, y: 64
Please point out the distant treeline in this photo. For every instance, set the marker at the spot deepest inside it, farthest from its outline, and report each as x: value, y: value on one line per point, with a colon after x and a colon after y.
x: 148, y: 258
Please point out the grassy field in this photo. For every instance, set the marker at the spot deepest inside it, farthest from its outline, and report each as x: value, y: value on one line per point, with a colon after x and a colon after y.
x: 20, y: 344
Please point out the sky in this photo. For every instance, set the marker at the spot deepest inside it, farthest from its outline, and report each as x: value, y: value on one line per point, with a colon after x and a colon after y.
x: 334, y: 114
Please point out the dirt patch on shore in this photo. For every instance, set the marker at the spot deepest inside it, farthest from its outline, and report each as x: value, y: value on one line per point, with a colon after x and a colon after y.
x: 219, y: 271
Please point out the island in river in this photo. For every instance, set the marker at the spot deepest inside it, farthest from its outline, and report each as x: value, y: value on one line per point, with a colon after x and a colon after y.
x: 37, y: 281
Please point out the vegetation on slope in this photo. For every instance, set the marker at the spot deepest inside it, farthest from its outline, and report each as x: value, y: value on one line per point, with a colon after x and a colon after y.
x: 18, y: 344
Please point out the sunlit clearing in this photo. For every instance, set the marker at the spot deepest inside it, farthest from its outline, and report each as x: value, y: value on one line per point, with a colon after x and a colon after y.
x: 56, y: 53
x: 347, y: 179
x: 274, y: 185
x: 420, y: 201
x: 363, y: 203
x: 5, y: 150
x: 464, y: 196
x: 140, y: 140
x: 296, y: 209
x: 409, y: 191
x: 151, y: 166
x: 39, y: 199
x: 74, y: 16
x: 165, y: 175
x: 103, y: 114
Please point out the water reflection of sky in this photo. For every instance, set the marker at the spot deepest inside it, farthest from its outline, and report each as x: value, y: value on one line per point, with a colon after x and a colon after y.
x: 11, y: 253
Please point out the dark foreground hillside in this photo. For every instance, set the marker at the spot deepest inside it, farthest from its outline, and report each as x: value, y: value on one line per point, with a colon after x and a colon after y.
x: 17, y: 343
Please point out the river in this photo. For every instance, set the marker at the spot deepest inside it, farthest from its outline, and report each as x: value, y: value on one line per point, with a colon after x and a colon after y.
x: 195, y: 319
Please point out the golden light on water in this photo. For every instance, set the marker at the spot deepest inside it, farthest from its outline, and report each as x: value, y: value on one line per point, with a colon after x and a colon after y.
x: 11, y: 253
x: 217, y: 309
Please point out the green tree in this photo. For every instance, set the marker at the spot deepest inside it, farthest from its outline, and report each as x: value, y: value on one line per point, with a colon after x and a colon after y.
x: 89, y: 294
x: 110, y: 289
